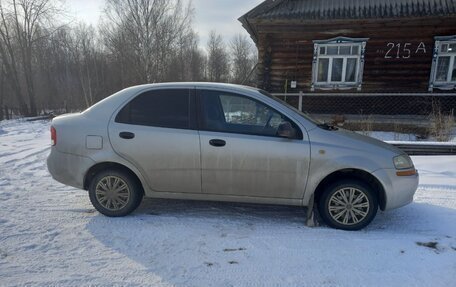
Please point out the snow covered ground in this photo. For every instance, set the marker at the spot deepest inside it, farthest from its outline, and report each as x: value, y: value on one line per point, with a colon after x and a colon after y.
x: 51, y: 235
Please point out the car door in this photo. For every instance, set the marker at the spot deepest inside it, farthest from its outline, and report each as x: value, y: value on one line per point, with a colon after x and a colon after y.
x: 156, y: 132
x: 241, y: 152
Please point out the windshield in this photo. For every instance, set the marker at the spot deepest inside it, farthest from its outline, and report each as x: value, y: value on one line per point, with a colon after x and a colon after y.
x: 304, y: 114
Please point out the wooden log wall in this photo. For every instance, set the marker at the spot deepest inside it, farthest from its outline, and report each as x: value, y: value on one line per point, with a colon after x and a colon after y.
x: 398, y: 54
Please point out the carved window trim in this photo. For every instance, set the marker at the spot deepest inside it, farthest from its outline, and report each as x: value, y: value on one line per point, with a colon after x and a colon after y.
x: 437, y: 53
x: 338, y: 42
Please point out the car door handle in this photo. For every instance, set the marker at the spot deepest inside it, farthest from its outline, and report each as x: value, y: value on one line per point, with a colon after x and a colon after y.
x: 217, y: 143
x: 127, y: 135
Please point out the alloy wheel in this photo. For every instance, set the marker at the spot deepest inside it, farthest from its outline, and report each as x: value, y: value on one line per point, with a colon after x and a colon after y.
x: 348, y: 206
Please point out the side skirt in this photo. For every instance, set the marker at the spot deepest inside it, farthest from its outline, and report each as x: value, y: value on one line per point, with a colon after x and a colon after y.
x: 225, y: 198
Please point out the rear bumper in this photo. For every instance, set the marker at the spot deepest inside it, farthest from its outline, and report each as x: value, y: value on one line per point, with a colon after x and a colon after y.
x: 68, y: 169
x: 399, y: 190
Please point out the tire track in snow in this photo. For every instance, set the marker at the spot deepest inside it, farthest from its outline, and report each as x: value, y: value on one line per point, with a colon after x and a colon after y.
x: 24, y: 143
x: 25, y: 156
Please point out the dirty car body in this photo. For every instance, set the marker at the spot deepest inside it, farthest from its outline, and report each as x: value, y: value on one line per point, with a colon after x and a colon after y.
x: 221, y: 142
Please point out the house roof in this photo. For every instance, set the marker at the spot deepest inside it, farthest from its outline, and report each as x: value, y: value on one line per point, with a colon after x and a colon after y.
x: 345, y: 9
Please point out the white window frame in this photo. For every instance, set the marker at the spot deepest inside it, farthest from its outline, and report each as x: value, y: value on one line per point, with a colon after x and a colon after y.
x: 448, y: 84
x: 338, y: 42
x: 344, y: 63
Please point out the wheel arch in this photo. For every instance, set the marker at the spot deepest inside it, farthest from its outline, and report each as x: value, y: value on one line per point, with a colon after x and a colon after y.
x: 356, y: 174
x: 95, y: 169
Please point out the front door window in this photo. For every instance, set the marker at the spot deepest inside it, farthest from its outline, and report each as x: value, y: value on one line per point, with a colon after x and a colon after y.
x: 232, y: 113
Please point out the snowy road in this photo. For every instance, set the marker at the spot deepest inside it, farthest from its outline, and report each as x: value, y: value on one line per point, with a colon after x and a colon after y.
x: 51, y: 235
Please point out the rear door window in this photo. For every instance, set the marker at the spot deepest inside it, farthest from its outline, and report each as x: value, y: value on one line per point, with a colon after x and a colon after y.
x: 168, y: 108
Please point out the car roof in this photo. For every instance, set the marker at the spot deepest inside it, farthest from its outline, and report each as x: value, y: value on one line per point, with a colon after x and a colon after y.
x: 195, y: 84
x: 105, y: 106
x: 119, y: 97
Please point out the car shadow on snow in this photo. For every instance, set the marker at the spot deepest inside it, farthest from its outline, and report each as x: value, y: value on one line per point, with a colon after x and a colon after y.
x: 222, y: 210
x: 178, y: 240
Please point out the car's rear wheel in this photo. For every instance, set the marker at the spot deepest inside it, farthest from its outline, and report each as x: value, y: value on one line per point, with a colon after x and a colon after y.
x: 115, y: 193
x: 348, y: 205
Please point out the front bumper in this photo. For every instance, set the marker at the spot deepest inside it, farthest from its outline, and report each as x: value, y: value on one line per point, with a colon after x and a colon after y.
x: 68, y: 169
x: 399, y: 190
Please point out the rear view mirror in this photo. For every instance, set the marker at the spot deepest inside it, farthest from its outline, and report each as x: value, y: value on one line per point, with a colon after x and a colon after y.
x: 286, y: 130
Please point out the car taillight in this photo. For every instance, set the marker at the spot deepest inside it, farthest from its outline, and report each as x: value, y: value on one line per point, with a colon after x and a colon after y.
x: 53, y: 136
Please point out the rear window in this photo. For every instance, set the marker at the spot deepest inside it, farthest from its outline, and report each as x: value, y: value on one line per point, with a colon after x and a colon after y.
x: 158, y: 108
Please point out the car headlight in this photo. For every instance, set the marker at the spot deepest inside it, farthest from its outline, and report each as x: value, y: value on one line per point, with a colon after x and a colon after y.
x: 403, y: 162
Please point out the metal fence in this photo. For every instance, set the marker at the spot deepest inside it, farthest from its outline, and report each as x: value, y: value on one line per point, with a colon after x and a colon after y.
x: 418, y: 116
x: 421, y: 148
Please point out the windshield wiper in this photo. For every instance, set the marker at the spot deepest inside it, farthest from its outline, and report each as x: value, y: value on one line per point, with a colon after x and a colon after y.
x: 328, y: 127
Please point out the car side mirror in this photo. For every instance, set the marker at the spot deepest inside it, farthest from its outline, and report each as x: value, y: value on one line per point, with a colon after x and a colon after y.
x: 286, y: 130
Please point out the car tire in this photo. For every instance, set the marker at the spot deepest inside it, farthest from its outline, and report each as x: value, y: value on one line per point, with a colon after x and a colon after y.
x: 348, y: 205
x: 115, y: 193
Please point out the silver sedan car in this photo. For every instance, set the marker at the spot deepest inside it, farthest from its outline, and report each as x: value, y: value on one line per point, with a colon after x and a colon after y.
x: 207, y: 141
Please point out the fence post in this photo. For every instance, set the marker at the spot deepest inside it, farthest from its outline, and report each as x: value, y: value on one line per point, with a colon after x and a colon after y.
x: 300, y: 101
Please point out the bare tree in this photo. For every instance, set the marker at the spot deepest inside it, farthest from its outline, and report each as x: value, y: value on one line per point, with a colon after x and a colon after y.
x: 198, y: 63
x: 2, y: 89
x: 217, y: 59
x: 82, y: 47
x: 73, y: 68
x: 188, y: 61
x: 26, y: 17
x: 9, y: 56
x: 57, y: 80
x: 49, y: 67
x: 242, y: 58
x: 150, y: 29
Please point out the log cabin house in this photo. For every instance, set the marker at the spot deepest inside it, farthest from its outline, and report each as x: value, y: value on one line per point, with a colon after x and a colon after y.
x: 384, y: 47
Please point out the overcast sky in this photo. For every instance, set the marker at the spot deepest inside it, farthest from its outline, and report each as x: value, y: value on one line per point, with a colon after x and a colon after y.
x: 219, y: 15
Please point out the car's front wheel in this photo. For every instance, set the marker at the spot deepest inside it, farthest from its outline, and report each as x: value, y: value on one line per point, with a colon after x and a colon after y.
x: 115, y: 193
x: 348, y: 205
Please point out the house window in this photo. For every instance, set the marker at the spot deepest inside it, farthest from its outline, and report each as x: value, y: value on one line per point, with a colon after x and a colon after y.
x: 443, y: 72
x: 338, y: 63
